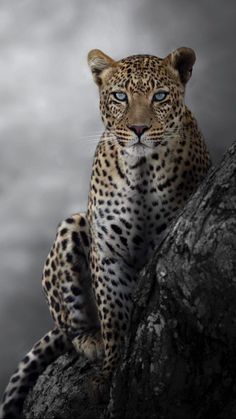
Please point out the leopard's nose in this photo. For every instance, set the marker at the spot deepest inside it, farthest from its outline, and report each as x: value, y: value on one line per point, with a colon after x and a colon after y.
x: 138, y: 129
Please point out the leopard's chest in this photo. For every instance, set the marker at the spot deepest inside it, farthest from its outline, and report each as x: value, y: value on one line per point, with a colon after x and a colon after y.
x: 129, y: 220
x: 133, y: 198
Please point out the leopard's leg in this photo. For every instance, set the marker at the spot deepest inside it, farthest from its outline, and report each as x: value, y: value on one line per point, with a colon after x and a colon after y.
x: 113, y: 281
x: 67, y: 284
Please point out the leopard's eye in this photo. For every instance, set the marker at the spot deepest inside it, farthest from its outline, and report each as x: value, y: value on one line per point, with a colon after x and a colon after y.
x: 159, y: 96
x: 121, y: 96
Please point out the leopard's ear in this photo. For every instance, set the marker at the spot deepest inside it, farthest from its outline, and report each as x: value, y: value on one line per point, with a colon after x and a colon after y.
x: 182, y: 61
x: 100, y: 64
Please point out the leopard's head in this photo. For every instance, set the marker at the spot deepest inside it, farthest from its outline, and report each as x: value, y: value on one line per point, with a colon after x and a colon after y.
x: 142, y: 96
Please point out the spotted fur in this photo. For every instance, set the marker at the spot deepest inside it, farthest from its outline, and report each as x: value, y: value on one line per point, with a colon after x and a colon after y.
x: 148, y: 162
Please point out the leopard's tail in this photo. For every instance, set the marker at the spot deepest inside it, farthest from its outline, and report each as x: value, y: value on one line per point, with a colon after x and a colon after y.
x: 45, y: 351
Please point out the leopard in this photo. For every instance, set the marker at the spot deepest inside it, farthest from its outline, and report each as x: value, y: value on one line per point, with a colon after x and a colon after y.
x: 149, y: 160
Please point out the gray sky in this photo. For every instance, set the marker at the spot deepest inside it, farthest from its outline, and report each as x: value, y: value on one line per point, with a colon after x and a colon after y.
x: 49, y: 121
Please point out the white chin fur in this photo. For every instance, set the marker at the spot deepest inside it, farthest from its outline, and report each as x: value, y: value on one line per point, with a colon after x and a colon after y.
x: 139, y: 149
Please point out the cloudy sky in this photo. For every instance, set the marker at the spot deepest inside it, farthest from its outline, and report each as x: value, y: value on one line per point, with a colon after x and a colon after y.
x: 49, y: 121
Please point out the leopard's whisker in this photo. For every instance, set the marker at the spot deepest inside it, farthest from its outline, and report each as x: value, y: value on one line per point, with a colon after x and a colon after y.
x: 95, y: 135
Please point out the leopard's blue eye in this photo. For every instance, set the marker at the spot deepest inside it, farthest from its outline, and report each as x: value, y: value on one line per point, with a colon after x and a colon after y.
x: 121, y: 96
x: 159, y: 96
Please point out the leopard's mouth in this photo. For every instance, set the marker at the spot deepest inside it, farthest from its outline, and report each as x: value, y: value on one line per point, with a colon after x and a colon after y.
x: 139, y: 142
x: 151, y: 143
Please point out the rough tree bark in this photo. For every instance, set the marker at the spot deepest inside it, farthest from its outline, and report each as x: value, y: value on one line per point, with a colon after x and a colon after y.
x: 180, y: 357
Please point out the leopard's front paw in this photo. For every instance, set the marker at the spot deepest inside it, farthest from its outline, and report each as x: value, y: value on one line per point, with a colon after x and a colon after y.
x: 91, y: 345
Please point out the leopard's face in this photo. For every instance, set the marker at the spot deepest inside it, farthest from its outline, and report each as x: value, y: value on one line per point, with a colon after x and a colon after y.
x: 142, y: 96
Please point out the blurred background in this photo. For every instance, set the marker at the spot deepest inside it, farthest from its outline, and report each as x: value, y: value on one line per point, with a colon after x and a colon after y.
x: 50, y: 123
